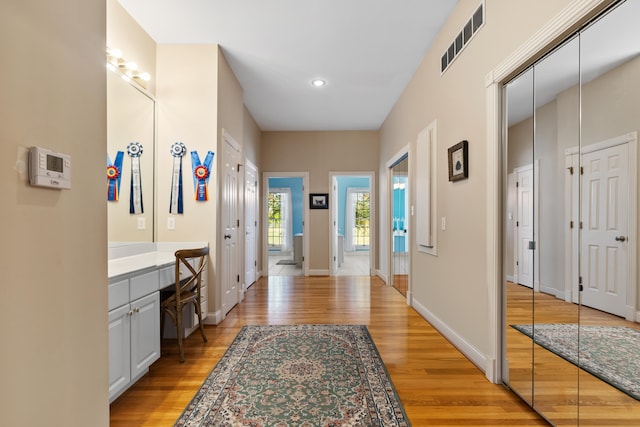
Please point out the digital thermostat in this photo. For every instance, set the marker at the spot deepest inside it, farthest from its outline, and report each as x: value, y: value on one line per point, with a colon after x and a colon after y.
x: 49, y: 169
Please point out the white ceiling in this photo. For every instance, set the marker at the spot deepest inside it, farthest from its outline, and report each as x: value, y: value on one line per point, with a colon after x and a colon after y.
x: 366, y: 50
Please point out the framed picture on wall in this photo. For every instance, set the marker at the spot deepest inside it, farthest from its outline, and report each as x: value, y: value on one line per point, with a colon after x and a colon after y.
x: 459, y: 161
x: 318, y: 201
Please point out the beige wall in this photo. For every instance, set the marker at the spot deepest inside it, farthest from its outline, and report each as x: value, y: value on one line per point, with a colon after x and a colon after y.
x: 53, y: 309
x: 187, y: 112
x: 252, y: 137
x: 198, y: 97
x: 452, y: 287
x: 319, y: 153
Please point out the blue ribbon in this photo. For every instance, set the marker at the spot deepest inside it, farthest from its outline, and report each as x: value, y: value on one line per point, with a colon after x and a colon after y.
x: 136, y: 206
x: 114, y: 176
x: 178, y: 150
x: 201, y: 174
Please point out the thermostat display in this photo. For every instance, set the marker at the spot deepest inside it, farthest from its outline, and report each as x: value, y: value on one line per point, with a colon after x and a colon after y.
x: 49, y: 169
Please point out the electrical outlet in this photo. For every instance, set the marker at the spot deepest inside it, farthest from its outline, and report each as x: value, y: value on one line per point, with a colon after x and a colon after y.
x: 142, y: 224
x: 443, y: 224
x: 171, y: 223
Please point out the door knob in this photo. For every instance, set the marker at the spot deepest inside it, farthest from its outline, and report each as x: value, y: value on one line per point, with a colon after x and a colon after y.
x: 227, y: 236
x: 620, y: 238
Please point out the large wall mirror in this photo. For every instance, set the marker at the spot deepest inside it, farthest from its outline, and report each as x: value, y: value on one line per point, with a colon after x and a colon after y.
x: 130, y: 119
x: 572, y: 340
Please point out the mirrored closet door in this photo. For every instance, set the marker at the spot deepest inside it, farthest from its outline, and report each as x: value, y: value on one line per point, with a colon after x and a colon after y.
x: 572, y: 346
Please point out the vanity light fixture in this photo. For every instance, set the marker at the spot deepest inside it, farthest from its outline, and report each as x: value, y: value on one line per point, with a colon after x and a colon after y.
x: 128, y: 69
x: 142, y: 76
x: 318, y: 82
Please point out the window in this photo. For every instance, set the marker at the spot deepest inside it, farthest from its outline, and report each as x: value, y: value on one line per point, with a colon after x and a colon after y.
x: 279, y: 215
x: 358, y: 215
x: 275, y: 232
x: 360, y: 236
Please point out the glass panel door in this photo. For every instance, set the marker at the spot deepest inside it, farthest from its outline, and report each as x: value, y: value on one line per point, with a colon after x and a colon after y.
x: 556, y: 314
x: 607, y: 251
x: 518, y: 231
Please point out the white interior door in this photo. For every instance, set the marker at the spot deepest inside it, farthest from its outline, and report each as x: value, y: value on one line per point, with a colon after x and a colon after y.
x: 524, y: 226
x: 251, y: 223
x: 605, y: 226
x: 230, y: 222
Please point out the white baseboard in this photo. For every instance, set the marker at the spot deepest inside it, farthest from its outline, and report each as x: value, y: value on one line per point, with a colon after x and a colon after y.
x: 318, y: 272
x: 511, y: 278
x: 381, y: 276
x: 482, y: 361
x: 213, y: 318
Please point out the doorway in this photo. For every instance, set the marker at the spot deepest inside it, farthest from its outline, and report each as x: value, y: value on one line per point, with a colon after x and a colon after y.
x: 351, y: 219
x: 285, y: 222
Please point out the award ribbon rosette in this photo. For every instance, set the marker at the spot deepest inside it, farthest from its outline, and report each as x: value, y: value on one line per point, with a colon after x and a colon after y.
x: 134, y: 150
x: 178, y: 150
x: 201, y: 173
x: 114, y: 176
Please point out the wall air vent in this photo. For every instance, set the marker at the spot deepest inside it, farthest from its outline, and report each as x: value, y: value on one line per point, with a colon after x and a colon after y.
x: 463, y: 38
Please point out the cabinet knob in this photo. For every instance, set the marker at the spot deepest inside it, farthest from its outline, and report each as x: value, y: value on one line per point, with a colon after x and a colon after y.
x: 136, y: 310
x: 130, y: 313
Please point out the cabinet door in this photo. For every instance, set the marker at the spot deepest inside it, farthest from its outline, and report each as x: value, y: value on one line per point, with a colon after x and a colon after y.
x: 145, y: 333
x: 119, y: 350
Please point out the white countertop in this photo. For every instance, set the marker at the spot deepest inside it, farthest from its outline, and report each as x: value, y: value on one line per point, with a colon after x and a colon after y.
x: 134, y: 263
x: 164, y: 256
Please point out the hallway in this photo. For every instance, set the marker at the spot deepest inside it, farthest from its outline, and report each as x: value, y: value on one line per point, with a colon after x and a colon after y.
x: 436, y: 383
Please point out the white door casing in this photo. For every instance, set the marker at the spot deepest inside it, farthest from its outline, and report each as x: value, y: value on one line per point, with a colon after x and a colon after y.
x: 333, y: 230
x: 333, y: 262
x: 251, y: 222
x: 230, y: 271
x: 305, y: 216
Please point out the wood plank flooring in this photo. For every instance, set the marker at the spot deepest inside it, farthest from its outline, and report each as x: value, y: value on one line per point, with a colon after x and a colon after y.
x: 436, y: 383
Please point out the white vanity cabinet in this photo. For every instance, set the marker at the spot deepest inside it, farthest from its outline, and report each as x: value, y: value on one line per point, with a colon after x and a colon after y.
x: 137, y: 274
x: 134, y: 328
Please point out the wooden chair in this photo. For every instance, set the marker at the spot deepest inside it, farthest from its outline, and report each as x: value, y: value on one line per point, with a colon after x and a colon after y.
x: 187, y: 291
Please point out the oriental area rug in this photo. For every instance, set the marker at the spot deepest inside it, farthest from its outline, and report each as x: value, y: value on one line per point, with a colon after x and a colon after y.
x: 298, y: 376
x: 611, y: 353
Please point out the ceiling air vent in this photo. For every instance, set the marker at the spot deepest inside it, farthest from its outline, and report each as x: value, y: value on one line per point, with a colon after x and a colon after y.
x: 463, y: 38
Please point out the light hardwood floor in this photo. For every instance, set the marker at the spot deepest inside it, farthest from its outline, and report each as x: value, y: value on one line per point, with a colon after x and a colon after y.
x: 438, y: 386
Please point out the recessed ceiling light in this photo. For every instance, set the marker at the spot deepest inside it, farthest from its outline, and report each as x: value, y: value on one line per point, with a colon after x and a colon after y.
x: 318, y: 82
